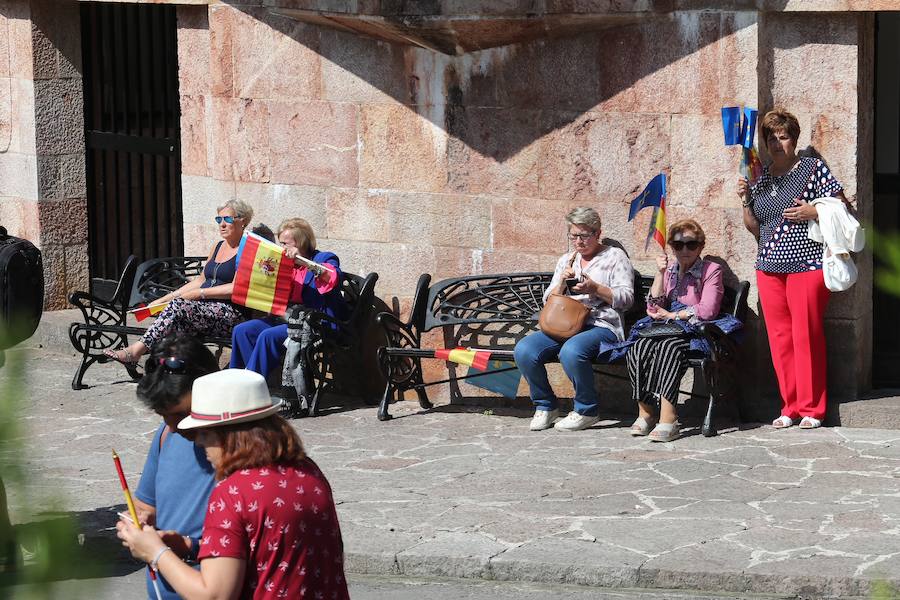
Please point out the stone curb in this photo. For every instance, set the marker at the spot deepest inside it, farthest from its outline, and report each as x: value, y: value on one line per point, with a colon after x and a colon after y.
x: 411, y: 564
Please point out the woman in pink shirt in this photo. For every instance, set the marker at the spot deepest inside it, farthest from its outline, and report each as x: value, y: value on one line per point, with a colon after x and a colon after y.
x: 691, y: 289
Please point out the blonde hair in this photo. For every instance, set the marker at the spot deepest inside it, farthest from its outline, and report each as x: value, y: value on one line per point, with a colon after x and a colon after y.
x: 241, y: 209
x: 302, y: 232
x: 688, y: 225
x: 585, y: 216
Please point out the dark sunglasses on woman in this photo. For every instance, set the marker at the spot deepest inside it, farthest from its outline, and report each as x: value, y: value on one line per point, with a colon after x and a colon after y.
x: 677, y: 246
x: 229, y: 220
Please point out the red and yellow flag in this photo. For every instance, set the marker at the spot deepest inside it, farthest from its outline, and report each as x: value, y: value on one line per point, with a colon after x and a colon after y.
x: 145, y: 312
x: 658, y: 225
x: 477, y: 359
x: 263, y: 278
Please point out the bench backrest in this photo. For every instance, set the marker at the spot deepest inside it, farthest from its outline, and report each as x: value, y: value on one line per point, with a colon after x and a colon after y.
x: 496, y: 310
x: 158, y: 276
x: 116, y: 292
x: 358, y: 292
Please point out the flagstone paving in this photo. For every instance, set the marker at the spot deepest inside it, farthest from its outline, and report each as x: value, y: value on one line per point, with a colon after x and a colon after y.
x: 460, y: 493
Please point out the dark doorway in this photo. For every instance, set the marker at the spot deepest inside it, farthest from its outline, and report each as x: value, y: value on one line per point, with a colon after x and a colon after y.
x: 886, y: 307
x: 132, y: 133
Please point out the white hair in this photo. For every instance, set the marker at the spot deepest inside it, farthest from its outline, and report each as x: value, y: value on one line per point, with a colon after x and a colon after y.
x: 241, y: 209
x: 584, y: 216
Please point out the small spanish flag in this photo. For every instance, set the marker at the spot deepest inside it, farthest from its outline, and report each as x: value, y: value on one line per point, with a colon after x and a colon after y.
x: 658, y: 226
x: 145, y: 312
x: 477, y: 359
x: 263, y: 278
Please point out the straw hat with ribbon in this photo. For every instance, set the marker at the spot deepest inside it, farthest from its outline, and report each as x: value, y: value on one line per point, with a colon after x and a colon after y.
x: 229, y: 396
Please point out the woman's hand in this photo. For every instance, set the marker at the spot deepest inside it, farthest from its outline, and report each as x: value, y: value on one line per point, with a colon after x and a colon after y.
x: 179, y: 544
x: 568, y: 273
x: 586, y: 286
x: 801, y: 211
x: 662, y: 263
x: 291, y: 252
x: 143, y: 543
x: 743, y: 189
x: 660, y: 314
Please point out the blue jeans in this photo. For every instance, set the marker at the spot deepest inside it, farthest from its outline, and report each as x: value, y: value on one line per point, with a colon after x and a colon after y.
x: 535, y: 350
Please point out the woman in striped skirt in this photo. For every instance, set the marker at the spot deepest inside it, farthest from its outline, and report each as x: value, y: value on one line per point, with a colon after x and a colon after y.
x: 688, y: 288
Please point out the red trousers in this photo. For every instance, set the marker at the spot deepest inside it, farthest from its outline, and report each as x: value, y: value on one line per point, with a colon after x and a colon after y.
x: 794, y: 310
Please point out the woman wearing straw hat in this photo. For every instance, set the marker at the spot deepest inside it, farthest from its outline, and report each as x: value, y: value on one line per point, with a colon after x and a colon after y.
x: 271, y: 528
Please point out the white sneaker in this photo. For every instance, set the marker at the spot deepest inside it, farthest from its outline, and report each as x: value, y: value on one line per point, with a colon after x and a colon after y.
x: 575, y: 422
x: 543, y: 419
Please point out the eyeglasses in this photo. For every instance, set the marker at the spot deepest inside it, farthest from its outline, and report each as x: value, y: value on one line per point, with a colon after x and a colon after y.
x: 581, y: 237
x: 678, y: 245
x: 170, y: 364
x: 229, y: 220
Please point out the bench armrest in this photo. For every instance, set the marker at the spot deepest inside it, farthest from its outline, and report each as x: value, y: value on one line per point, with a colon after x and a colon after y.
x: 721, y: 346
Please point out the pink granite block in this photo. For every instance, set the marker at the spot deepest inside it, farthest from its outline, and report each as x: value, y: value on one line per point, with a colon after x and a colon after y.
x: 194, y: 159
x: 77, y: 268
x: 401, y: 149
x: 529, y: 225
x: 601, y: 157
x: 812, y: 75
x: 6, y: 126
x: 21, y: 55
x: 655, y: 64
x: 21, y: 218
x: 359, y: 69
x: 21, y: 116
x: 194, y: 37
x: 314, y: 143
x: 494, y: 150
x: 440, y: 219
x: 704, y: 171
x: 356, y: 214
x: 275, y: 57
x: 456, y: 262
x: 221, y: 47
x: 63, y: 221
x: 54, y: 258
x: 239, y: 142
x: 199, y: 240
x: 404, y: 262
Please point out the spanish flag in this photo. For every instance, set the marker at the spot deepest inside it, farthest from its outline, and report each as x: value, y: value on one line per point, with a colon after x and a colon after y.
x: 145, y: 312
x: 263, y: 278
x: 658, y: 226
x: 477, y: 359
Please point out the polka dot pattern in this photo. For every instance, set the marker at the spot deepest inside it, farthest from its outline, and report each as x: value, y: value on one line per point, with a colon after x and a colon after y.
x: 785, y: 247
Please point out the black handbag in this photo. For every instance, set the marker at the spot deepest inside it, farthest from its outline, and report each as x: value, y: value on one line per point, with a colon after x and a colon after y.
x: 662, y: 329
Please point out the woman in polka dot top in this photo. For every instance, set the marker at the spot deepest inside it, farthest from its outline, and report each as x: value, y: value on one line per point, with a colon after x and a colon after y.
x: 792, y: 291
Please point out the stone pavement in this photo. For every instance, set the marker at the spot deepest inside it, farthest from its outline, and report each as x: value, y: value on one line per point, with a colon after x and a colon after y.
x: 459, y: 492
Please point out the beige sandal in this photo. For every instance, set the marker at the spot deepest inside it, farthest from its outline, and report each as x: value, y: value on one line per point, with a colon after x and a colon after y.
x: 129, y: 358
x: 642, y: 426
x: 665, y: 432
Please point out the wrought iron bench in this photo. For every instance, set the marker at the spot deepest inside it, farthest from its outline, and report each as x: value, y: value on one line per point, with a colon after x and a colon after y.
x: 104, y: 318
x: 105, y: 309
x: 334, y: 357
x: 495, y: 311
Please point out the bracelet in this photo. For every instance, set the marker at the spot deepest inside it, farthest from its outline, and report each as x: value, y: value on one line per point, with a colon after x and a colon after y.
x: 154, y: 564
x: 748, y: 202
x: 203, y: 293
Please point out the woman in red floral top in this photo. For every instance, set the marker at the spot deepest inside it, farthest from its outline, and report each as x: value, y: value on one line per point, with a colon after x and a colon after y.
x: 271, y: 528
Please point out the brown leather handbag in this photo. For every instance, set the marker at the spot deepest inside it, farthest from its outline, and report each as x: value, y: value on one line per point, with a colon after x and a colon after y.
x: 563, y: 316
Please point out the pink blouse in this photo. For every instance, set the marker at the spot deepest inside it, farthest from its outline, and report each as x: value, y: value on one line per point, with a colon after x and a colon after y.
x: 700, y: 288
x: 324, y: 282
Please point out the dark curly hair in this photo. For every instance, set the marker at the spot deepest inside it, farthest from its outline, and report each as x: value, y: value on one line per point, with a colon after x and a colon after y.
x: 162, y: 386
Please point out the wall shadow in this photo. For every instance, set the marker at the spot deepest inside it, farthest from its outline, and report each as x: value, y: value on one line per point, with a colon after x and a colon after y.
x: 498, y: 101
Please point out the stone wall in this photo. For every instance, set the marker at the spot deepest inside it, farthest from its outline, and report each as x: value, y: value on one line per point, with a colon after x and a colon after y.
x: 42, y: 169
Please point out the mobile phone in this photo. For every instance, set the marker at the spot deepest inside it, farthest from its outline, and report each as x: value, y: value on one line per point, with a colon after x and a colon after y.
x: 571, y: 282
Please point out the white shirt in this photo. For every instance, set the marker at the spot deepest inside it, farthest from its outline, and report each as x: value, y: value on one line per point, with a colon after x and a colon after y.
x: 611, y: 268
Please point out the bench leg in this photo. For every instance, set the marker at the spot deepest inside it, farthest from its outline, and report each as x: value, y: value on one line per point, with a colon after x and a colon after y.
x: 383, y: 414
x: 712, y: 386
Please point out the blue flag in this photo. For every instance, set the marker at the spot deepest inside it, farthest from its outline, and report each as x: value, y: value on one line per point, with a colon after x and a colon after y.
x: 505, y: 383
x: 748, y: 127
x: 731, y: 125
x: 652, y: 195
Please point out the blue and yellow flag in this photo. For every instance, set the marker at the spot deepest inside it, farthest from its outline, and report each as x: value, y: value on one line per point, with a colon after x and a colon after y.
x: 653, y: 195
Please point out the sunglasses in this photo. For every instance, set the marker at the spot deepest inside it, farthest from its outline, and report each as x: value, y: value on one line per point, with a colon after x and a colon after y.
x: 229, y: 220
x: 170, y: 364
x: 677, y: 246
